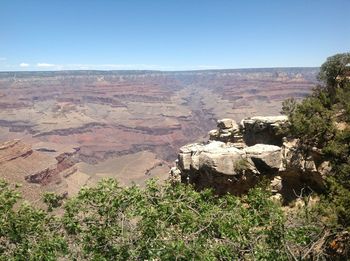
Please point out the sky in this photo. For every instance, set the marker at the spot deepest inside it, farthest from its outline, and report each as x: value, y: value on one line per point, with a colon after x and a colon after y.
x: 170, y: 34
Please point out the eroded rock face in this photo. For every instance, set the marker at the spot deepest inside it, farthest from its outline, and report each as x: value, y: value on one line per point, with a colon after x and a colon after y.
x: 232, y: 161
x: 217, y: 169
x: 19, y: 162
x: 303, y: 164
x: 225, y: 167
x: 266, y: 158
x: 228, y: 131
x: 214, y: 156
x: 37, y: 170
x: 263, y: 129
x: 65, y: 162
x: 14, y: 149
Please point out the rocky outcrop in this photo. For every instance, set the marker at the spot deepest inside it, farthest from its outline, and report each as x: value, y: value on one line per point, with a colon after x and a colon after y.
x: 14, y: 149
x: 225, y: 167
x: 215, y: 156
x: 263, y: 129
x: 228, y: 131
x: 266, y: 158
x: 303, y: 166
x: 237, y: 157
x: 19, y: 160
x: 65, y: 163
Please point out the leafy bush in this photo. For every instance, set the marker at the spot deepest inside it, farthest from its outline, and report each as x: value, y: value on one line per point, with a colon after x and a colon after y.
x: 27, y: 233
x: 159, y: 222
x: 322, y: 120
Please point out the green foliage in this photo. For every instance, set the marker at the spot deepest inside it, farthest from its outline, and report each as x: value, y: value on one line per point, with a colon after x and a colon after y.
x: 52, y: 200
x: 316, y: 120
x: 333, y: 70
x: 26, y: 233
x: 241, y: 165
x: 159, y: 222
x: 340, y: 197
x: 312, y: 122
x: 289, y: 106
x: 168, y: 222
x: 323, y: 120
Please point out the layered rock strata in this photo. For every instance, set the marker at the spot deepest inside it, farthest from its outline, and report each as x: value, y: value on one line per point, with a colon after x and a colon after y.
x: 237, y: 157
x: 37, y: 170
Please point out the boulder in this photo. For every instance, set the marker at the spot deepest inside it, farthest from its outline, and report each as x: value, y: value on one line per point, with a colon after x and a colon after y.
x: 276, y: 185
x: 267, y: 158
x: 175, y: 175
x: 264, y: 130
x: 305, y: 165
x: 227, y: 124
x: 228, y: 131
x: 297, y: 158
x: 219, y: 157
x: 215, y: 156
x: 213, y: 134
x: 216, y: 165
x: 324, y: 168
x: 185, y: 161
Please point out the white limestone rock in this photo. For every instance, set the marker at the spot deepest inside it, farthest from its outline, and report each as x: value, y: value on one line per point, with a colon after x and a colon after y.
x: 227, y: 124
x: 265, y: 156
x: 215, y: 156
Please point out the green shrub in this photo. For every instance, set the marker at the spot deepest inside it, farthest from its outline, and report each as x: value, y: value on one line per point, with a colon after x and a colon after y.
x: 322, y: 120
x: 27, y: 233
x: 163, y: 222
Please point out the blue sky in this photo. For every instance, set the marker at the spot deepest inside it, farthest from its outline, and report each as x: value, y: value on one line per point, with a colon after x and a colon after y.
x: 169, y: 34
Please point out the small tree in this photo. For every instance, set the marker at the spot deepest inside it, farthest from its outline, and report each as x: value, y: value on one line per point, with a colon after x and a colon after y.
x: 323, y: 120
x: 333, y: 72
x: 289, y: 106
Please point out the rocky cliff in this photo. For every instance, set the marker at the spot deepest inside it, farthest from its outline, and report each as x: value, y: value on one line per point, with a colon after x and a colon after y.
x: 238, y: 156
x: 36, y: 170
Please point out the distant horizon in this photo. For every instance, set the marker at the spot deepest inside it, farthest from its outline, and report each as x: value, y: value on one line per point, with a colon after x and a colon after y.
x: 145, y: 70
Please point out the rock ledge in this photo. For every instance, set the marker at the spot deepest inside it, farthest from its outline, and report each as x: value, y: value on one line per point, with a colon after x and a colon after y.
x: 237, y: 157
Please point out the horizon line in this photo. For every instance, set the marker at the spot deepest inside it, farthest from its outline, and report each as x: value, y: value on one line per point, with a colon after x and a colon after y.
x: 150, y: 70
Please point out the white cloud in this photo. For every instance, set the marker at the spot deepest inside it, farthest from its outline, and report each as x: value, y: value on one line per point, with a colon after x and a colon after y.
x: 45, y: 65
x: 24, y: 65
x: 112, y: 66
x: 116, y: 66
x: 208, y: 67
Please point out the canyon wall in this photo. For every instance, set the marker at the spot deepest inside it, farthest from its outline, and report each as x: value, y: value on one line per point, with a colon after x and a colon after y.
x: 131, y: 124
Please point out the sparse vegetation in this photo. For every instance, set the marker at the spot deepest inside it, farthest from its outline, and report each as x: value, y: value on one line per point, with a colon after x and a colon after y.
x: 241, y: 165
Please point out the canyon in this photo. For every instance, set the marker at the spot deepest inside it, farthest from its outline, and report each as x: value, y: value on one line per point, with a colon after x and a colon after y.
x: 67, y: 129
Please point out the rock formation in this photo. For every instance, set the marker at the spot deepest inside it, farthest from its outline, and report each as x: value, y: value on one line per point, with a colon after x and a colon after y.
x: 36, y: 170
x: 228, y: 131
x: 14, y: 149
x: 64, y: 165
x: 263, y: 130
x: 237, y: 157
